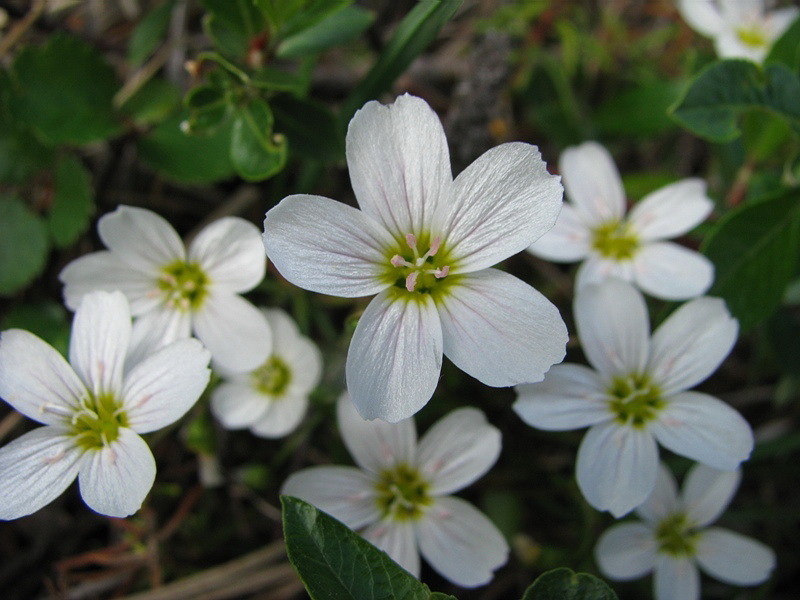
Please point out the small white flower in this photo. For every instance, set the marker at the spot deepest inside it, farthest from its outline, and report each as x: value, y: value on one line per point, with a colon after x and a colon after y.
x: 739, y: 28
x: 174, y: 293
x: 636, y: 396
x: 93, y: 410
x: 675, y: 538
x: 273, y: 398
x: 593, y: 228
x: 399, y: 497
x: 424, y: 243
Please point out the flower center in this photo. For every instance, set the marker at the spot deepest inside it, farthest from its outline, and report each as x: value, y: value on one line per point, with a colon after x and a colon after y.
x: 184, y: 285
x: 415, y: 272
x: 97, y: 422
x: 615, y: 240
x: 273, y: 377
x: 753, y: 36
x: 634, y: 400
x: 674, y: 536
x: 402, y: 493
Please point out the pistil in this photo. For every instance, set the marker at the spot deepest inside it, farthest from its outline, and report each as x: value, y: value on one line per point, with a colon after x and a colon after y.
x: 418, y: 264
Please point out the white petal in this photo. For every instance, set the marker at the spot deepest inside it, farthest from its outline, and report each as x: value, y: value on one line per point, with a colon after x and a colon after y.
x: 617, y: 467
x: 299, y: 353
x: 626, y: 551
x: 141, y: 238
x: 162, y: 388
x: 501, y: 204
x: 345, y: 493
x: 325, y: 246
x: 237, y: 405
x: 500, y: 330
x: 235, y: 331
x: 707, y: 493
x: 568, y: 241
x: 734, y: 558
x: 457, y: 450
x: 778, y: 21
x: 101, y: 333
x: 671, y: 211
x: 398, y: 541
x: 231, y: 253
x: 461, y: 543
x: 593, y: 183
x: 376, y: 445
x: 283, y: 415
x: 570, y: 397
x: 596, y: 269
x: 663, y: 500
x: 35, y: 469
x: 671, y: 272
x: 728, y: 44
x: 154, y: 330
x: 36, y: 380
x: 115, y: 480
x: 399, y: 163
x: 703, y: 16
x: 676, y: 579
x: 704, y: 429
x: 395, y: 357
x: 613, y: 326
x: 690, y: 344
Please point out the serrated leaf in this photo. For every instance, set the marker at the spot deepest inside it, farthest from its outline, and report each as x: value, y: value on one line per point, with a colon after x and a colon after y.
x: 565, y: 584
x: 755, y: 250
x: 73, y: 202
x: 339, y: 28
x: 23, y: 245
x: 312, y: 129
x: 717, y: 97
x: 256, y: 152
x: 149, y: 33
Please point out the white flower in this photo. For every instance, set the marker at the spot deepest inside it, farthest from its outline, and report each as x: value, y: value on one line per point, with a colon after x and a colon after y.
x: 399, y: 497
x: 93, y: 410
x: 636, y: 396
x: 273, y: 398
x: 423, y: 242
x: 593, y: 228
x: 675, y: 538
x: 173, y: 293
x: 739, y: 28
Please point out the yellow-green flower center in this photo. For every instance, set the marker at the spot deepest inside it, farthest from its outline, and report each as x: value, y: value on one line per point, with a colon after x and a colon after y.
x: 402, y: 493
x: 675, y: 536
x: 419, y: 265
x: 273, y: 377
x: 753, y: 36
x: 634, y: 400
x: 97, y: 423
x: 615, y: 240
x: 184, y: 285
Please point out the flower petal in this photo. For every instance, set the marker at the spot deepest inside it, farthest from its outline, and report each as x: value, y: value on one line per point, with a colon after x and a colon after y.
x: 690, y: 344
x: 36, y: 380
x: 570, y: 397
x: 707, y: 493
x: 676, y: 579
x: 500, y: 330
x: 231, y: 253
x: 596, y: 269
x: 395, y: 357
x: 671, y: 272
x: 154, y: 330
x: 613, y: 326
x: 282, y: 416
x: 671, y: 210
x: 663, y: 500
x: 235, y: 332
x: 237, y: 405
x: 299, y: 353
x: 568, y: 241
x: 704, y: 429
x: 162, y: 388
x: 345, y: 493
x: 626, y: 551
x: 398, y: 541
x: 734, y: 558
x: 376, y: 445
x: 35, y: 469
x: 501, y: 204
x: 617, y: 467
x: 114, y: 480
x: 141, y: 238
x: 399, y: 163
x: 325, y: 246
x: 457, y: 450
x: 703, y: 16
x: 593, y: 183
x: 461, y: 543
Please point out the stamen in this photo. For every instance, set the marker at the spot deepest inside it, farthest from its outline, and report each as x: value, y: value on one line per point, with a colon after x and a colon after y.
x: 411, y: 280
x: 411, y: 240
x: 399, y: 261
x: 437, y: 241
x: 440, y: 273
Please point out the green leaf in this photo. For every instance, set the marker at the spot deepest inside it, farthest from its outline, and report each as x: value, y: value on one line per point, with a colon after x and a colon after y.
x: 312, y: 129
x: 279, y: 81
x: 149, y: 33
x: 786, y: 49
x: 208, y: 106
x: 565, y: 584
x: 233, y: 25
x: 47, y: 319
x: 724, y: 90
x: 335, y: 563
x: 639, y: 111
x: 292, y: 16
x: 21, y: 154
x: 339, y: 28
x: 153, y: 102
x: 64, y: 90
x: 23, y: 245
x: 73, y: 202
x: 416, y: 31
x: 754, y: 250
x: 256, y: 152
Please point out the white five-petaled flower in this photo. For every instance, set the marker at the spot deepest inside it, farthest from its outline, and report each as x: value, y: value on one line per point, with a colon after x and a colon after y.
x: 424, y: 243
x: 593, y: 228
x: 674, y: 538
x: 93, y: 411
x: 739, y: 28
x: 174, y: 293
x: 399, y: 497
x: 273, y: 398
x: 636, y: 396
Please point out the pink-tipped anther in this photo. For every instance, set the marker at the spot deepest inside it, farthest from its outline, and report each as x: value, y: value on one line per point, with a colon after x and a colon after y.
x: 411, y: 240
x: 440, y: 273
x: 398, y: 261
x: 411, y: 281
